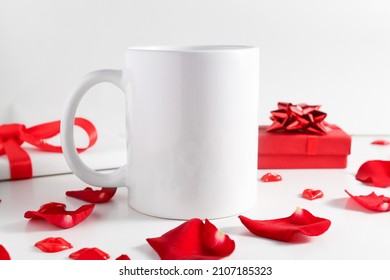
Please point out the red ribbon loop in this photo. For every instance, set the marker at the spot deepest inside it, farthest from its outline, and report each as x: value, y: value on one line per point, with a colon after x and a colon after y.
x: 8, y: 131
x: 12, y: 136
x: 301, y: 118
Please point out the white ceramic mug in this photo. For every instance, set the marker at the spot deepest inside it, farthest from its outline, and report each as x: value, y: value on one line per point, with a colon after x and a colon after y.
x: 192, y: 130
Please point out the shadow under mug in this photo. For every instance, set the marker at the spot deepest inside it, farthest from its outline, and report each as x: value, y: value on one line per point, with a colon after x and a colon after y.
x: 192, y: 130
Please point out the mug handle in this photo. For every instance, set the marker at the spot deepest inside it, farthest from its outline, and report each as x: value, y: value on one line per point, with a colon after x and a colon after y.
x: 115, y: 178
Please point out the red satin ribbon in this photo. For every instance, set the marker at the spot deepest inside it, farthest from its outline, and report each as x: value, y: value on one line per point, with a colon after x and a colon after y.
x: 300, y: 118
x: 12, y: 136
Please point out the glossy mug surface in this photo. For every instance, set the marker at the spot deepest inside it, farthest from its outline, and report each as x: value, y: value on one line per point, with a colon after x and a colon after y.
x: 192, y: 130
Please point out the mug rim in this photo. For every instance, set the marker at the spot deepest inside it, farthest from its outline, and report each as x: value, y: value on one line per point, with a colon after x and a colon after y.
x: 191, y: 48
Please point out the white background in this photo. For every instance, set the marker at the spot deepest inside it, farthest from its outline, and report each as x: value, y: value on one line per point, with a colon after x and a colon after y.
x: 334, y: 53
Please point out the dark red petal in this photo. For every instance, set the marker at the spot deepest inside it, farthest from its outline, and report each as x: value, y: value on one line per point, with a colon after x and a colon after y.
x: 372, y: 201
x: 312, y: 194
x: 4, y: 255
x: 93, y: 196
x: 89, y: 254
x: 283, y: 229
x: 380, y: 142
x: 53, y: 244
x: 192, y: 240
x: 375, y: 173
x: 123, y: 257
x: 215, y: 241
x: 55, y: 214
x: 271, y: 177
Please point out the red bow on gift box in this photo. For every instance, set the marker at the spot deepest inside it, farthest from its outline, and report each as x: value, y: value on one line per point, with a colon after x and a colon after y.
x: 299, y: 118
x: 12, y: 136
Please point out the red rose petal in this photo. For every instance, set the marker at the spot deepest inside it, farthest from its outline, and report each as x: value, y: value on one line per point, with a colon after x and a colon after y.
x: 179, y: 242
x: 215, y: 241
x: 4, y: 255
x: 93, y: 196
x: 193, y: 239
x: 123, y: 257
x: 53, y: 244
x: 378, y: 203
x: 375, y: 173
x: 55, y: 214
x: 312, y: 194
x: 89, y: 254
x: 271, y: 177
x: 380, y: 142
x: 283, y: 229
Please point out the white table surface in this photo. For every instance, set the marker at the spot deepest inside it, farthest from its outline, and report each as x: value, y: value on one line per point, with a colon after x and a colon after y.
x: 355, y: 233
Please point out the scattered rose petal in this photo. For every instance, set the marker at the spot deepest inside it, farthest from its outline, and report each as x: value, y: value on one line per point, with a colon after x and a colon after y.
x: 311, y: 194
x: 93, y: 196
x: 271, y: 177
x: 179, y: 242
x: 378, y: 203
x: 283, y: 229
x: 380, y: 142
x: 55, y: 214
x: 89, y: 254
x: 123, y: 257
x: 193, y: 239
x: 53, y: 244
x: 4, y: 255
x: 215, y: 241
x: 375, y: 173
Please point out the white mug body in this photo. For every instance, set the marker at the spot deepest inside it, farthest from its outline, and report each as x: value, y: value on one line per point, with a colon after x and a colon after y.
x: 192, y: 131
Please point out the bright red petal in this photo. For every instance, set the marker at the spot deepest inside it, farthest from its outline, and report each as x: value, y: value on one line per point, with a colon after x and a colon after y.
x: 93, y: 196
x: 49, y: 208
x: 53, y: 244
x: 123, y: 257
x: 192, y: 240
x: 283, y: 229
x: 380, y: 142
x: 312, y: 194
x: 375, y: 173
x: 55, y: 214
x: 180, y: 242
x: 215, y: 241
x: 372, y: 201
x: 4, y: 255
x: 89, y: 254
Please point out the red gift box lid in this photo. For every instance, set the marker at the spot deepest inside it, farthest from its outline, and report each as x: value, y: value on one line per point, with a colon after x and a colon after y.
x: 335, y: 142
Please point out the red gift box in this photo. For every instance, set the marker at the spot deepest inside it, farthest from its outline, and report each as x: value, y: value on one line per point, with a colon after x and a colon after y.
x: 298, y: 150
